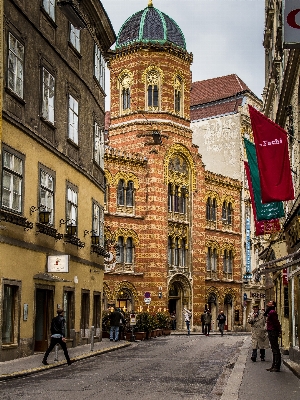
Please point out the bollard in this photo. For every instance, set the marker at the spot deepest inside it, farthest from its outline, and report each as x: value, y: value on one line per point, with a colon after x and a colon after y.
x: 56, y: 353
x: 92, y: 337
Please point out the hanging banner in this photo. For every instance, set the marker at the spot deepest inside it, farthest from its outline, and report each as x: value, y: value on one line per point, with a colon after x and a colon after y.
x: 291, y: 24
x: 273, y: 160
x: 263, y: 211
x: 265, y: 226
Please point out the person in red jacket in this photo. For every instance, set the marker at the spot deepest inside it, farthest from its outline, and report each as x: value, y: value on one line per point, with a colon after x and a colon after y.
x: 274, y: 332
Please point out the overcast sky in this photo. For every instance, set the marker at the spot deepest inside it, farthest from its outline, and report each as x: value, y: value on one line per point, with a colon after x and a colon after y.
x: 225, y: 36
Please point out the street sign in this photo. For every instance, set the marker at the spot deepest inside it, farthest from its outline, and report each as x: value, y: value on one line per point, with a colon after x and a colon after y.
x: 147, y: 295
x: 132, y: 321
x: 147, y: 300
x: 245, y: 296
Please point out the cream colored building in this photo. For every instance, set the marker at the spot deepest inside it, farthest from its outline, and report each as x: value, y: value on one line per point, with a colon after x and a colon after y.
x: 220, y: 120
x: 52, y: 173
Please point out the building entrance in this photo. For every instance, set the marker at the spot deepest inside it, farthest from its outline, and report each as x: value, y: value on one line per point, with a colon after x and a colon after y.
x: 43, y: 317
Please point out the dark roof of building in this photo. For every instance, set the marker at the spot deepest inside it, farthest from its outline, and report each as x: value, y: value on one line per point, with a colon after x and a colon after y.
x: 150, y: 26
x: 215, y: 89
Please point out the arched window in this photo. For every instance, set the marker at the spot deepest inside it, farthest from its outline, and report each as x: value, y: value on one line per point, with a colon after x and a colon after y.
x: 129, y: 251
x: 178, y: 95
x: 176, y: 254
x: 208, y: 259
x: 229, y: 213
x: 182, y: 200
x: 129, y: 194
x: 183, y: 252
x: 225, y: 260
x: 176, y: 199
x: 121, y: 193
x: 214, y: 210
x: 214, y: 260
x: 153, y: 89
x: 120, y: 254
x: 230, y: 262
x: 208, y: 207
x: 224, y: 211
x: 125, y: 98
x: 170, y: 251
x: 170, y: 197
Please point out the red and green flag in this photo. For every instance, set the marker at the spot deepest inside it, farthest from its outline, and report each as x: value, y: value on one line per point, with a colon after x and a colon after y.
x: 273, y: 161
x: 266, y: 211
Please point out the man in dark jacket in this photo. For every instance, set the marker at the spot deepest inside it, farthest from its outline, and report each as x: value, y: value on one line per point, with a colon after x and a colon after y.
x: 274, y: 332
x: 221, y: 322
x: 116, y: 319
x: 57, y: 336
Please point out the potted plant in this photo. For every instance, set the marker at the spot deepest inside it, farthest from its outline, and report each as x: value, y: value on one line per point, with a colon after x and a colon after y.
x: 105, y: 324
x: 141, y: 326
x: 164, y: 321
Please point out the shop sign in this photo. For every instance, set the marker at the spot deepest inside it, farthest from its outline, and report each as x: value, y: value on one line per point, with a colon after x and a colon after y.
x: 285, y: 279
x: 58, y: 263
x: 257, y: 295
x: 132, y: 321
x: 291, y: 24
x: 292, y: 234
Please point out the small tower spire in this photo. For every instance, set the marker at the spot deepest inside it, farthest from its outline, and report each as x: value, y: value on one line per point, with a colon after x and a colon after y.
x: 150, y: 4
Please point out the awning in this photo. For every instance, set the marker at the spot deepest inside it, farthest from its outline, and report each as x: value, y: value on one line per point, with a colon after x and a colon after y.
x: 288, y: 261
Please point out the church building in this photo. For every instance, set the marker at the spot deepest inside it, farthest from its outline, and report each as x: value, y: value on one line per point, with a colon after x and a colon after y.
x: 161, y: 256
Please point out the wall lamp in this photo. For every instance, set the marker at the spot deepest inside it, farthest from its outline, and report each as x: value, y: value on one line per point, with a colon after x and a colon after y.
x: 71, y: 229
x: 156, y: 137
x: 69, y: 9
x: 44, y: 215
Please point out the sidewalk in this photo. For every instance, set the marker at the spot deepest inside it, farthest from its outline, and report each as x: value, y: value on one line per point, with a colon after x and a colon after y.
x: 33, y: 364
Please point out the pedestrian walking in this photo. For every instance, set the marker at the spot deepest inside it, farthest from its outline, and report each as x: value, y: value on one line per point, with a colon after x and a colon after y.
x: 221, y: 318
x: 173, y: 320
x: 116, y: 319
x: 187, y: 317
x: 57, y: 336
x: 274, y: 333
x: 207, y: 322
x: 259, y: 336
x: 202, y: 321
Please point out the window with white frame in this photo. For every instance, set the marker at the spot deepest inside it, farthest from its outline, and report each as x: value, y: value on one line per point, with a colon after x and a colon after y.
x: 98, y: 222
x: 98, y: 145
x: 75, y: 37
x: 72, y: 206
x: 47, y: 192
x: 49, y: 7
x: 48, y: 96
x: 99, y: 69
x: 15, y: 65
x: 73, y: 119
x: 12, y: 180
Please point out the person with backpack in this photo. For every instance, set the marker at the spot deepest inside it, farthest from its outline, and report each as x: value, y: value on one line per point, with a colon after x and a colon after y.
x: 58, y: 336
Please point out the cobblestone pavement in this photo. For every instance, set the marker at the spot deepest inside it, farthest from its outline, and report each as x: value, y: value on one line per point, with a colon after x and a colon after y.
x: 174, y: 367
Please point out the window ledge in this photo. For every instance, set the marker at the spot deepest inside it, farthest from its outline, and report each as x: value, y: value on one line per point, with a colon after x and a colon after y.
x: 9, y: 346
x: 13, y: 94
x: 75, y: 51
x: 75, y: 145
x: 48, y: 123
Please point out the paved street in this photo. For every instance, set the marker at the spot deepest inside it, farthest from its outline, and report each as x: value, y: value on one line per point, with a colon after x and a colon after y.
x: 172, y: 367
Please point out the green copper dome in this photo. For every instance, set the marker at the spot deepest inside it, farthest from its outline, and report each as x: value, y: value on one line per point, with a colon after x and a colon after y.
x: 150, y: 26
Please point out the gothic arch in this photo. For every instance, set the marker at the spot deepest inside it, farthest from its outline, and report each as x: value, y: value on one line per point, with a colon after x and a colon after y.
x: 126, y: 285
x: 127, y: 176
x: 180, y: 178
x: 152, y: 68
x: 126, y: 233
x: 183, y: 280
x: 228, y: 246
x: 213, y: 195
x: 228, y: 198
x: 108, y: 177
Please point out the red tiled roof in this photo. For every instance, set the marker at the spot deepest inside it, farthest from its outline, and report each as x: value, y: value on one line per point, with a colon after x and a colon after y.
x: 216, y: 89
x: 216, y: 109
